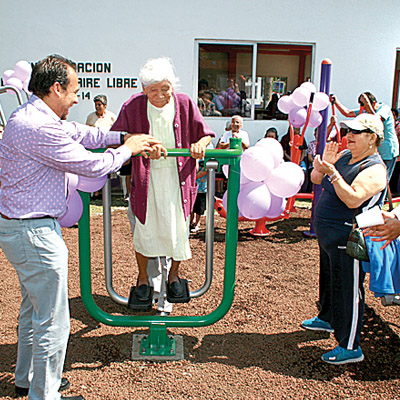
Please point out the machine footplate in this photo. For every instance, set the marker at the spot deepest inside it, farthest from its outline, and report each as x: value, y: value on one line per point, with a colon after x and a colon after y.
x: 135, y: 304
x: 185, y: 298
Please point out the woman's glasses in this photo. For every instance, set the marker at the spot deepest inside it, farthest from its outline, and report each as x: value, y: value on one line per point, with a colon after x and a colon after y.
x: 354, y: 132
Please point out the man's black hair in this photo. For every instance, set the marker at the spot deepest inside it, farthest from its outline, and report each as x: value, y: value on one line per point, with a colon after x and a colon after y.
x: 46, y: 72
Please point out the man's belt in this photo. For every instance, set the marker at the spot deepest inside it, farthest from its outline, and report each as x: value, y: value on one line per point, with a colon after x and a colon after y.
x: 9, y: 219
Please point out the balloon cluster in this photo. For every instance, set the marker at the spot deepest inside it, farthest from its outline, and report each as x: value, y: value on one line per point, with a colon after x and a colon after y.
x: 296, y: 105
x: 74, y: 200
x: 18, y: 77
x: 266, y: 181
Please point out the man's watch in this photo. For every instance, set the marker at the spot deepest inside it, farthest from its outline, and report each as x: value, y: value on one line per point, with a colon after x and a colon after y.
x: 123, y: 137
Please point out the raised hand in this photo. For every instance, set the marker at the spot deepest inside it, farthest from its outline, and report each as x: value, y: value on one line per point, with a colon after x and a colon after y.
x: 331, y: 153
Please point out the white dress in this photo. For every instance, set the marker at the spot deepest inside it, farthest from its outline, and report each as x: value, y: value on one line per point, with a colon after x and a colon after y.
x: 165, y: 232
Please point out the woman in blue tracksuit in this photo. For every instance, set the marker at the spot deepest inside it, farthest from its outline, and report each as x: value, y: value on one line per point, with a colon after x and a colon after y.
x: 352, y: 181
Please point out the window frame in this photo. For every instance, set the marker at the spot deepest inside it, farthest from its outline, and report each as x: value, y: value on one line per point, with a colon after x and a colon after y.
x: 254, y: 43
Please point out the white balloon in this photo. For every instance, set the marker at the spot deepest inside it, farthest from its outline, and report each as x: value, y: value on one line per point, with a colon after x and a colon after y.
x: 274, y: 148
x: 285, y: 180
x: 301, y: 96
x: 321, y: 101
x: 9, y: 73
x: 254, y: 200
x: 310, y: 86
x: 256, y: 163
x: 25, y: 85
x: 23, y: 70
x: 15, y: 82
x: 285, y: 104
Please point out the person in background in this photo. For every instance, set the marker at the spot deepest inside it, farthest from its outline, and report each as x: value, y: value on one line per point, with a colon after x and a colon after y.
x: 101, y: 118
x: 389, y: 230
x: 311, y: 153
x: 200, y: 204
x: 287, y: 153
x: 235, y: 132
x: 272, y: 108
x: 163, y: 191
x: 1, y: 137
x: 37, y: 150
x: 271, y: 133
x: 352, y: 180
x: 394, y: 180
x: 207, y: 106
x: 287, y: 147
x: 395, y: 113
x: 389, y: 150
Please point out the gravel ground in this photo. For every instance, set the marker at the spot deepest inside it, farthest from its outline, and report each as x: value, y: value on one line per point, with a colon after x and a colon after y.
x: 257, y: 351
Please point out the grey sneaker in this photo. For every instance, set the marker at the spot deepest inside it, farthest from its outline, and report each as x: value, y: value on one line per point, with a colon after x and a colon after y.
x: 390, y: 300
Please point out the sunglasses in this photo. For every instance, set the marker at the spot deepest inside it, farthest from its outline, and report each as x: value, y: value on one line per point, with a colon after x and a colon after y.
x: 354, y: 132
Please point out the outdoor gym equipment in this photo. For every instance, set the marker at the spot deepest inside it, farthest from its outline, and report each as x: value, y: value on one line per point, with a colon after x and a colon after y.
x: 8, y: 90
x: 158, y: 344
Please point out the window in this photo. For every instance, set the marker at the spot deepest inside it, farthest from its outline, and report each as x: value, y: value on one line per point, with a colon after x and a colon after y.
x: 226, y: 75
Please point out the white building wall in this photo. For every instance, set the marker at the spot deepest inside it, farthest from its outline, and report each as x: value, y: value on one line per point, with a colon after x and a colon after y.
x: 360, y: 38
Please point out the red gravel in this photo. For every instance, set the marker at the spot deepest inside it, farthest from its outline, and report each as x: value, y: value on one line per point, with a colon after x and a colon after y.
x: 257, y: 351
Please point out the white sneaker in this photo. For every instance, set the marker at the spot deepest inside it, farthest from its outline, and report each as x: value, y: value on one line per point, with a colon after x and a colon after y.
x: 195, y: 229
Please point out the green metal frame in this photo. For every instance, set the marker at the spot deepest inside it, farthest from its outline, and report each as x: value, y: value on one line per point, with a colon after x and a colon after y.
x: 158, y: 342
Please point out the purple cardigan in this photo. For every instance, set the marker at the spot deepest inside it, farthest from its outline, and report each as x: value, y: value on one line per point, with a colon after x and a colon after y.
x: 189, y: 127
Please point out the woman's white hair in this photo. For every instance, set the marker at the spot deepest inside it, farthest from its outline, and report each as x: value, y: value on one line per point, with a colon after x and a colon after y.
x: 157, y: 70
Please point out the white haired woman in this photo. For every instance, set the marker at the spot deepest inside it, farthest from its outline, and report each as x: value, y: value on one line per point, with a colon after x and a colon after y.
x: 353, y: 180
x: 163, y: 191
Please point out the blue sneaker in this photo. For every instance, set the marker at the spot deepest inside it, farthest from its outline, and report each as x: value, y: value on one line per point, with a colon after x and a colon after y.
x: 339, y: 356
x: 316, y: 324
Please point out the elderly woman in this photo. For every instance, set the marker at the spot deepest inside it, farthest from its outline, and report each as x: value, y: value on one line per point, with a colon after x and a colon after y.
x: 163, y: 191
x: 352, y: 182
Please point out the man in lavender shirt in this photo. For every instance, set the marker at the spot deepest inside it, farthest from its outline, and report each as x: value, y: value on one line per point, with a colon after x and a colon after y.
x: 37, y: 149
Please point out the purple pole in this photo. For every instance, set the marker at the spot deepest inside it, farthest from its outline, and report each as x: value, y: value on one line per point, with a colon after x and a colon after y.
x: 326, y: 66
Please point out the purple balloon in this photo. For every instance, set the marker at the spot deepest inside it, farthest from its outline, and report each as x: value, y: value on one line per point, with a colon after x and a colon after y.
x: 285, y: 180
x: 225, y: 200
x: 301, y: 96
x: 74, y: 210
x: 315, y: 119
x: 72, y: 182
x: 285, y: 104
x: 321, y: 101
x: 243, y: 179
x: 25, y: 86
x: 90, y: 185
x: 22, y: 70
x: 256, y: 163
x: 225, y: 203
x: 274, y: 149
x: 310, y: 86
x: 298, y: 117
x: 254, y: 200
x: 15, y: 82
x: 277, y: 206
x: 7, y: 74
